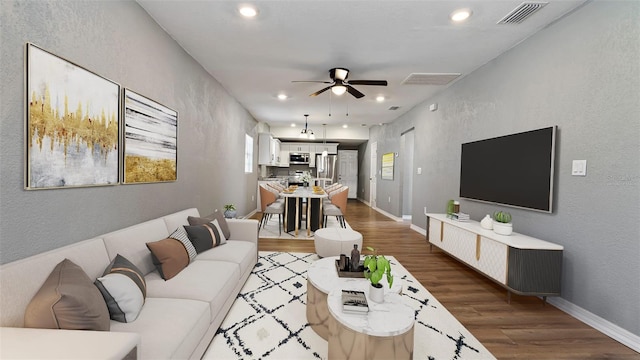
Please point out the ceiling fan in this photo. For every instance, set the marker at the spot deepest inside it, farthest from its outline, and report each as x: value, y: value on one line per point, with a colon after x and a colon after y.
x: 340, y: 84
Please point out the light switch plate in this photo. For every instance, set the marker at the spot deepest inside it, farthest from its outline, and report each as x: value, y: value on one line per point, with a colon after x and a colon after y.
x: 419, y: 170
x: 579, y: 168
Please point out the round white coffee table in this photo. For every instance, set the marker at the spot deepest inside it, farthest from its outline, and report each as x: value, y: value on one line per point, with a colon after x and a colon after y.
x: 336, y: 241
x: 322, y: 278
x: 385, y: 332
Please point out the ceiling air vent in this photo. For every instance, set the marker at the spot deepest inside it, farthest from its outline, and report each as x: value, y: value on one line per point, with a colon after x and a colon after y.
x: 394, y: 108
x: 430, y: 79
x: 522, y: 12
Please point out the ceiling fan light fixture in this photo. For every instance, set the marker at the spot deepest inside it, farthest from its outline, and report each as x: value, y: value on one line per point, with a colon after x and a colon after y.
x: 339, y: 89
x: 460, y: 15
x: 248, y: 11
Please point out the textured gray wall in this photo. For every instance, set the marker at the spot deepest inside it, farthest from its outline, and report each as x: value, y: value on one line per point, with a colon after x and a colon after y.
x: 118, y: 40
x: 583, y: 74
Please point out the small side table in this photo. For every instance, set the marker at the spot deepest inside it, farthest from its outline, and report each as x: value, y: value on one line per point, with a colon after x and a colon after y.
x: 385, y: 332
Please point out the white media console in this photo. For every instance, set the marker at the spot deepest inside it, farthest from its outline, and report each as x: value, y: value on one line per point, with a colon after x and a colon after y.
x: 522, y: 264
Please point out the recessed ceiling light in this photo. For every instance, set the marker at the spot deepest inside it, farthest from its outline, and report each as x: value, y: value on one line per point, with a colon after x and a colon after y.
x: 460, y: 15
x: 345, y: 126
x: 380, y: 98
x: 248, y: 11
x: 282, y: 96
x: 293, y: 125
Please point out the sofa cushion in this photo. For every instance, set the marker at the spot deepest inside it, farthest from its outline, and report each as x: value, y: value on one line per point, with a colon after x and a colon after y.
x: 216, y: 215
x: 181, y: 235
x: 209, y: 281
x: 168, y: 328
x: 242, y: 253
x: 67, y: 300
x: 123, y: 288
x: 169, y: 256
x: 130, y: 242
x: 205, y: 236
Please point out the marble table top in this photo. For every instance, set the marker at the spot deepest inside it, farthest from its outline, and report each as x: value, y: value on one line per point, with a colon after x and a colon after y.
x: 391, y: 318
x: 324, y: 276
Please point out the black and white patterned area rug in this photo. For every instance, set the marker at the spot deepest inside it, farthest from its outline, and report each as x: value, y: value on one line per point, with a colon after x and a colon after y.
x: 268, y: 319
x: 270, y: 229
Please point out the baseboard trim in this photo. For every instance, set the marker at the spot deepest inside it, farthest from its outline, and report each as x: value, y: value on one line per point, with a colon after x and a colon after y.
x: 604, y: 326
x: 418, y: 229
x: 390, y: 216
x: 249, y: 215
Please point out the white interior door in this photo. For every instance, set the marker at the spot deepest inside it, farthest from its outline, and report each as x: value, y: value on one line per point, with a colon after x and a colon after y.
x: 348, y: 171
x: 373, y: 174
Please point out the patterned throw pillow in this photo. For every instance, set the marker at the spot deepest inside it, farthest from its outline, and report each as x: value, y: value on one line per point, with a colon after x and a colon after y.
x: 123, y: 288
x: 67, y: 300
x: 181, y: 235
x: 169, y: 256
x: 217, y: 215
x: 206, y: 236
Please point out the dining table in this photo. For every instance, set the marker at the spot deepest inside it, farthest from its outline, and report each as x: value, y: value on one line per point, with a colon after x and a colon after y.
x: 294, y: 211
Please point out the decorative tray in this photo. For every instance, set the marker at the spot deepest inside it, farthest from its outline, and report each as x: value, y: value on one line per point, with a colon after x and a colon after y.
x: 351, y: 274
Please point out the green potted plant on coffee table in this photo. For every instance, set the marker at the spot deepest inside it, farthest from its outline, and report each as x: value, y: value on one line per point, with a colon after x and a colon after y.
x: 375, y: 268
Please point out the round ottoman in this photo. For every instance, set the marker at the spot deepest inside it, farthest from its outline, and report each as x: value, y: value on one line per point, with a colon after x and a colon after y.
x: 336, y: 241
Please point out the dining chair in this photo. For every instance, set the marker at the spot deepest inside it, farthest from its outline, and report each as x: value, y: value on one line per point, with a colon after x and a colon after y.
x: 337, y: 207
x: 270, y: 205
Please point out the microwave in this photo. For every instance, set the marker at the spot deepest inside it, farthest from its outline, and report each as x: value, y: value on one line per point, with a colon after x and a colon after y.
x: 298, y: 158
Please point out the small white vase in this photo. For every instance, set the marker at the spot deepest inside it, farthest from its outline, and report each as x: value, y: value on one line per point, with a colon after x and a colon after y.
x: 376, y: 294
x: 487, y: 222
x: 502, y: 228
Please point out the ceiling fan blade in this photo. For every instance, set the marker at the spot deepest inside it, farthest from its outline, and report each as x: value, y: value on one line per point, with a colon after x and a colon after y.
x: 314, y: 81
x: 320, y: 91
x: 368, y: 82
x: 354, y: 92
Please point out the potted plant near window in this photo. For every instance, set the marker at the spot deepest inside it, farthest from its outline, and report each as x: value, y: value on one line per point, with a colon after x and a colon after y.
x: 375, y: 267
x: 502, y: 223
x: 230, y: 211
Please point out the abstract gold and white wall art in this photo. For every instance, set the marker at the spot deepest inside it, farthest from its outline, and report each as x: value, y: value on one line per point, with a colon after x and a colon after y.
x: 72, y: 124
x: 150, y: 140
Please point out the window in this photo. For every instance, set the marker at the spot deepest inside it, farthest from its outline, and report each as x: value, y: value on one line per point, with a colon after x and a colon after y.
x: 248, y: 154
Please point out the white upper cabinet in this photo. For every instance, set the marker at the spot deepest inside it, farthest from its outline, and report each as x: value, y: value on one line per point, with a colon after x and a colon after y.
x: 299, y: 147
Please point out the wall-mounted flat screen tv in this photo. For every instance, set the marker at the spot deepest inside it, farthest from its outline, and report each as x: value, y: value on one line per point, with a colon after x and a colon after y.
x: 514, y: 170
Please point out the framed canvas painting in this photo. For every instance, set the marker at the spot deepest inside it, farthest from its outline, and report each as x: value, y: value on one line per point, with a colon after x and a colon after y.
x: 150, y: 140
x: 72, y: 124
x: 387, y: 166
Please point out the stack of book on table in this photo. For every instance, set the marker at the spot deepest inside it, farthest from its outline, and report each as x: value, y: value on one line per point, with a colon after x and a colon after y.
x: 460, y: 216
x: 354, y: 301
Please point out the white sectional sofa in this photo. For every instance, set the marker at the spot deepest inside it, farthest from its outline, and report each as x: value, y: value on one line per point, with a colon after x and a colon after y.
x: 179, y: 317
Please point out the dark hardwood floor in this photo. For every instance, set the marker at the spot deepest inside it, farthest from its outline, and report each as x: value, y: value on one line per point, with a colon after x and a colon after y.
x: 522, y: 329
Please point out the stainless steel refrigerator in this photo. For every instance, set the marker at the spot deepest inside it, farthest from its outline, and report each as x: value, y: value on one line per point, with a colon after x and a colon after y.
x: 327, y: 168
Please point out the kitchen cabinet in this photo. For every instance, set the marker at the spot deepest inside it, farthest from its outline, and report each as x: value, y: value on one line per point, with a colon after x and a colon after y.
x: 268, y: 149
x: 284, y: 155
x: 299, y: 147
x: 330, y: 148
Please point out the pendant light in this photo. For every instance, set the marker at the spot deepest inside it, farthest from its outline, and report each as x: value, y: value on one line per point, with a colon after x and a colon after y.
x: 307, y: 133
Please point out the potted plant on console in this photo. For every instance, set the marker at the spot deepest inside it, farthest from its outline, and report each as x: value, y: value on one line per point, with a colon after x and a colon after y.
x: 375, y: 267
x: 502, y: 223
x: 230, y: 211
